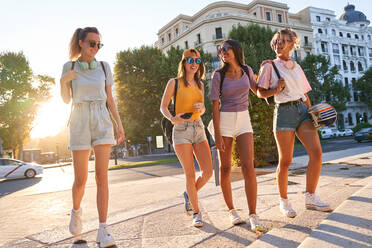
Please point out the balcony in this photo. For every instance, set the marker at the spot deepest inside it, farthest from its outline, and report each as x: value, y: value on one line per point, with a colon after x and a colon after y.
x: 308, y: 45
x: 216, y: 37
x: 336, y: 51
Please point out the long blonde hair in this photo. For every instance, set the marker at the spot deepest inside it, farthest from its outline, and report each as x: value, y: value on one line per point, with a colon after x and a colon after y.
x: 292, y: 36
x: 79, y: 34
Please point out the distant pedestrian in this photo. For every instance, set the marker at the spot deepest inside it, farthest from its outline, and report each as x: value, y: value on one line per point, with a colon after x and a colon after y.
x: 231, y: 85
x: 188, y: 132
x: 291, y: 118
x: 89, y: 84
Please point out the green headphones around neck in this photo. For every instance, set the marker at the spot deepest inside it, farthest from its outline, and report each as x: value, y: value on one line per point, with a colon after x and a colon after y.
x: 85, y: 66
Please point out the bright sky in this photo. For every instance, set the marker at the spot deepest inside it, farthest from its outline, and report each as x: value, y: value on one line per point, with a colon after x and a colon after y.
x: 42, y: 30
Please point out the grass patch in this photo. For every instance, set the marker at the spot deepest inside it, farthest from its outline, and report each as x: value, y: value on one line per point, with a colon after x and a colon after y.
x: 141, y: 163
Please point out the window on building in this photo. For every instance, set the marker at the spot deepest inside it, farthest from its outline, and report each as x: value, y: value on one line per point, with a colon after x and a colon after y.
x: 361, y: 51
x: 346, y: 82
x: 307, y: 53
x: 162, y: 41
x: 326, y: 31
x: 176, y: 32
x: 295, y: 55
x: 324, y: 47
x: 219, y: 33
x: 306, y: 40
x: 255, y: 14
x: 169, y: 37
x: 369, y: 37
x: 335, y: 48
x: 353, y: 81
x: 328, y: 19
x: 362, y: 37
x: 344, y: 65
x: 350, y: 119
x: 348, y: 35
x: 320, y: 31
x: 280, y: 18
x: 268, y: 17
x: 337, y: 61
x: 341, y: 34
x: 318, y: 18
x: 352, y: 66
x: 353, y: 51
x: 199, y: 38
x: 356, y: 37
x: 344, y: 49
x: 360, y: 66
x: 370, y: 52
x: 186, y: 45
x: 333, y: 32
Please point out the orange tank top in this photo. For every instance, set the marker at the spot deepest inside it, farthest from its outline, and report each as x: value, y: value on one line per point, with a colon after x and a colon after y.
x: 186, y: 97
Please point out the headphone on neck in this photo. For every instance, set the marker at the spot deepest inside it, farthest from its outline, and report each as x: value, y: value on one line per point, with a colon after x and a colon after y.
x: 85, y: 66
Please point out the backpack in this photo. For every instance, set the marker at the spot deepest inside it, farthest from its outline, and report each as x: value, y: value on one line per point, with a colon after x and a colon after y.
x: 167, y: 125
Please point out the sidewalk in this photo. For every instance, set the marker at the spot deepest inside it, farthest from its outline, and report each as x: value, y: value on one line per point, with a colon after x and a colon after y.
x: 345, y: 185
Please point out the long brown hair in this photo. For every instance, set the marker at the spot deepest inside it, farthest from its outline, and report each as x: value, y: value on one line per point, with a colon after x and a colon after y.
x: 79, y: 34
x: 199, y: 75
x: 238, y: 54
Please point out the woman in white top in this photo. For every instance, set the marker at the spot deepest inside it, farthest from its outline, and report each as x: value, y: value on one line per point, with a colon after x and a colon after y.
x: 89, y: 84
x: 291, y: 118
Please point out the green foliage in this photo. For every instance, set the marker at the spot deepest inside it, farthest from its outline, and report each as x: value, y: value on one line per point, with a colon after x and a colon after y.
x: 21, y: 92
x: 364, y: 87
x: 140, y: 79
x: 360, y: 126
x: 255, y: 41
x: 323, y: 80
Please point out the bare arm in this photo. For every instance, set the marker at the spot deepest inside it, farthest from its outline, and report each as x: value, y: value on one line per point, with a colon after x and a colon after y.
x: 115, y: 114
x: 307, y: 102
x: 66, y: 92
x: 167, y: 96
x: 264, y: 93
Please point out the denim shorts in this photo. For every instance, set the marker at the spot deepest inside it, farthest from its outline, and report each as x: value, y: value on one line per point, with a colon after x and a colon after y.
x: 189, y: 132
x: 90, y: 125
x: 290, y: 116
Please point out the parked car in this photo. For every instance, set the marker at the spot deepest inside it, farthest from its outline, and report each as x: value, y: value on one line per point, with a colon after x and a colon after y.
x: 326, y: 133
x: 11, y: 168
x: 336, y: 132
x: 346, y: 132
x: 363, y: 134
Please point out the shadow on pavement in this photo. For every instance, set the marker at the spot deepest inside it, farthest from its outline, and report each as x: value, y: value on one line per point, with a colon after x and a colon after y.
x: 10, y: 186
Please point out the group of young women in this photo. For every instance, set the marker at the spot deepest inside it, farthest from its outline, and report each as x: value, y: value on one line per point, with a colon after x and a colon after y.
x: 89, y: 84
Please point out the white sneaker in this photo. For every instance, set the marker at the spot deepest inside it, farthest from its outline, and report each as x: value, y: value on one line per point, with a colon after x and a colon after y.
x: 313, y: 202
x: 197, y: 220
x: 235, y: 218
x: 255, y: 223
x: 286, y: 208
x: 76, y: 223
x: 104, y: 237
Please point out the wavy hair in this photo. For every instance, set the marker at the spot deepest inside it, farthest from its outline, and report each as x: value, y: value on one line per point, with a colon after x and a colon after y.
x: 79, y: 34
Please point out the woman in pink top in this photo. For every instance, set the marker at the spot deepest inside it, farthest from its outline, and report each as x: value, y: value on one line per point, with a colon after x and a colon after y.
x: 291, y: 118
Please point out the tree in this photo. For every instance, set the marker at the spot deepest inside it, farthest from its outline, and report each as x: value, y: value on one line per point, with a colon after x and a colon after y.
x: 255, y: 41
x: 364, y: 87
x: 140, y: 79
x: 324, y: 83
x: 21, y: 93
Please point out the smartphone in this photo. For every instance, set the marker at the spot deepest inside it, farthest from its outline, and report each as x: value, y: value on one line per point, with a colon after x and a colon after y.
x: 186, y: 116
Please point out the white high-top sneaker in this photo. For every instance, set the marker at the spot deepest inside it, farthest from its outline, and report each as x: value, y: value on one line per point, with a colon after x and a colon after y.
x: 286, y: 208
x: 76, y: 223
x: 313, y: 202
x: 104, y: 237
x: 235, y: 218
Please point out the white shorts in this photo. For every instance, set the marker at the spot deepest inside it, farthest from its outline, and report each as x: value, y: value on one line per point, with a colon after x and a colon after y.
x: 233, y: 124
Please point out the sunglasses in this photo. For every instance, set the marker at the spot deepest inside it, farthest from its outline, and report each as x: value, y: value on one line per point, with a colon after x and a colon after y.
x: 191, y: 60
x: 223, y: 48
x: 93, y: 44
x: 280, y: 42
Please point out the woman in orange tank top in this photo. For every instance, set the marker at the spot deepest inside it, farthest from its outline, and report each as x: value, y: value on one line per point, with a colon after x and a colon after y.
x: 188, y: 132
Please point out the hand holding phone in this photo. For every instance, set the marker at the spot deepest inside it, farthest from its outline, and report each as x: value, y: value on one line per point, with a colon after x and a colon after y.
x: 186, y: 116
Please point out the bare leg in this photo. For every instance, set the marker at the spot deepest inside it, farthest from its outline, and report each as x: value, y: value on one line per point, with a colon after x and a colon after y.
x: 246, y: 150
x: 225, y: 172
x: 310, y: 139
x: 80, y: 161
x: 185, y: 155
x: 203, y: 155
x: 102, y: 156
x: 285, y: 144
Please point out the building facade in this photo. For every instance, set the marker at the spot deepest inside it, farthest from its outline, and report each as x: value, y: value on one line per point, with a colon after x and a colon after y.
x: 347, y: 42
x: 211, y: 25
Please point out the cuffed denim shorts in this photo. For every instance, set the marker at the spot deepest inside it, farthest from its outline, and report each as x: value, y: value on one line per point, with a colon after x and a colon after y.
x: 90, y: 125
x: 290, y: 116
x: 189, y: 133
